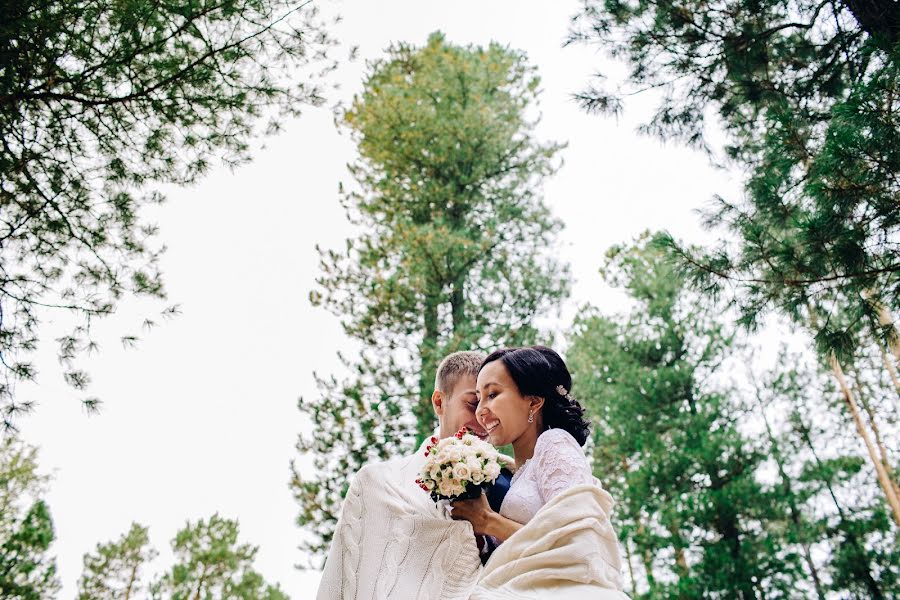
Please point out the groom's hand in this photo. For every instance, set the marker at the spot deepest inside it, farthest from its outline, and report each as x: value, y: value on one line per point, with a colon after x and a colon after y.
x: 476, y: 511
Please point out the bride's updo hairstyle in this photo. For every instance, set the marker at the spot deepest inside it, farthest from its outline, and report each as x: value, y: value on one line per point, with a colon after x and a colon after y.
x: 540, y: 371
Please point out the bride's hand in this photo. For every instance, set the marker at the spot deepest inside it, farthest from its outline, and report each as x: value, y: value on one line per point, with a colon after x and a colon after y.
x: 476, y: 511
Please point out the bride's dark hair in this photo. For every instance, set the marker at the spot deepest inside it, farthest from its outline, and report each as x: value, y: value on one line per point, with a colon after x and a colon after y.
x: 539, y: 371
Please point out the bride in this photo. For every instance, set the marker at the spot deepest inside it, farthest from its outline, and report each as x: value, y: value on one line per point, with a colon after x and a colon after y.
x: 553, y: 526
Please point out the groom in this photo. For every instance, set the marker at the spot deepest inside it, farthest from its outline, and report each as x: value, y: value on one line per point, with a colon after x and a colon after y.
x: 391, y: 540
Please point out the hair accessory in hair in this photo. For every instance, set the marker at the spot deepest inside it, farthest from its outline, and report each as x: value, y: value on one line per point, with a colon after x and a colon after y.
x: 563, y: 392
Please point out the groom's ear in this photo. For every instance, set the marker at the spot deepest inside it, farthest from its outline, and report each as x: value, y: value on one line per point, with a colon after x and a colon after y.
x: 437, y: 401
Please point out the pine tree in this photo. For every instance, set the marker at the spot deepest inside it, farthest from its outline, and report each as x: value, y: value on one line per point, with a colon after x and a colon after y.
x: 114, y: 572
x: 669, y: 443
x: 99, y: 103
x: 806, y: 93
x: 799, y: 529
x: 839, y: 501
x: 212, y: 565
x: 451, y: 254
x: 27, y: 570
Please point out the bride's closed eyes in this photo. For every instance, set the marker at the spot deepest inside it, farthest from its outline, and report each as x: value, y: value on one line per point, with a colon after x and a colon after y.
x: 490, y: 396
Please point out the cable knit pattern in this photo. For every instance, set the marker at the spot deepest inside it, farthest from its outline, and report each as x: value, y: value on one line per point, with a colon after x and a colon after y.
x: 392, y: 542
x: 351, y: 539
x: 558, y: 464
x: 402, y: 534
x: 460, y: 578
x: 390, y: 537
x: 430, y: 588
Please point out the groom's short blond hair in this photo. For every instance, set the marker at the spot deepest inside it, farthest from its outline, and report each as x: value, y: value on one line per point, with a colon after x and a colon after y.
x: 454, y: 366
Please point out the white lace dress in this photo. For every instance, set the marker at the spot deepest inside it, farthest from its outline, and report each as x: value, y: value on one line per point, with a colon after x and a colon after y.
x: 557, y: 465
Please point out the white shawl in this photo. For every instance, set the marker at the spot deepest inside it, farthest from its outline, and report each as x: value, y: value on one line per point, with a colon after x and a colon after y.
x: 391, y: 541
x: 568, y: 549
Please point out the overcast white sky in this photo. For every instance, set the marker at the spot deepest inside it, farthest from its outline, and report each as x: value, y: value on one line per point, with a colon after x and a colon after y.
x: 201, y: 416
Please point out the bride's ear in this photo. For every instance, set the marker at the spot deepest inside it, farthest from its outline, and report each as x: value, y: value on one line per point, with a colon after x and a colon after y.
x: 535, y: 403
x: 437, y: 401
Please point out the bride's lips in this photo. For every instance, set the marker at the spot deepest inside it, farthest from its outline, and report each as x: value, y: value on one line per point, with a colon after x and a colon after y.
x: 478, y: 431
x: 491, y: 424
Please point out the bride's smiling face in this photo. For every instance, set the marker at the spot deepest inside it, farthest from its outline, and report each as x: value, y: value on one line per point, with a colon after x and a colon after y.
x: 502, y: 409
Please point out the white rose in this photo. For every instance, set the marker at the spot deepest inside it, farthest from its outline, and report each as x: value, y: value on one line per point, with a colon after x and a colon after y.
x: 491, y: 471
x: 445, y: 488
x: 429, y: 483
x: 461, y: 471
x: 476, y: 474
x: 457, y: 487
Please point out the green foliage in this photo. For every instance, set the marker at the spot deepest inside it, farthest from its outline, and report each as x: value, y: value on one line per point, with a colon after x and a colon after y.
x: 667, y: 441
x: 114, y: 571
x: 839, y: 507
x: 101, y: 101
x: 806, y: 93
x: 449, y: 195
x: 451, y: 255
x: 211, y: 565
x: 725, y: 487
x: 27, y: 571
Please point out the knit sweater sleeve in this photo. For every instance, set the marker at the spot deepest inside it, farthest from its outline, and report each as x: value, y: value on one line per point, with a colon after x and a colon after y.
x: 391, y: 542
x: 343, y: 558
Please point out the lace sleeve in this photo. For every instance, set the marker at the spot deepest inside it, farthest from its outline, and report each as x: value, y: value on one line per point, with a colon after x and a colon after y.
x: 561, y: 463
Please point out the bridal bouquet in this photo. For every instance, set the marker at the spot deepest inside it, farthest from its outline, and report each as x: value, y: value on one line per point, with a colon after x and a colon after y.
x: 458, y: 467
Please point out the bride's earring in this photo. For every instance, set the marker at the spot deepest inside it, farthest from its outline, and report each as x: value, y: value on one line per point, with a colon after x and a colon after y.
x: 530, y: 416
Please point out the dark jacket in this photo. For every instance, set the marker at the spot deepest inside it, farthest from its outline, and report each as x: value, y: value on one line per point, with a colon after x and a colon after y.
x: 495, y: 494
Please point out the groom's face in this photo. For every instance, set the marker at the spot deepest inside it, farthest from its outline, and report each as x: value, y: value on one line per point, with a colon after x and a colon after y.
x: 457, y: 409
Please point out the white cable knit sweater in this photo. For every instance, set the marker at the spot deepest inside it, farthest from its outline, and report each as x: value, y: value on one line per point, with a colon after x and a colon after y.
x: 392, y: 541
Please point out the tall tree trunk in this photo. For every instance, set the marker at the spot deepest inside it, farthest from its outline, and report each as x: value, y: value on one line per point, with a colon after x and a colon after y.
x: 630, y: 567
x: 870, y: 412
x: 869, y: 581
x: 889, y: 366
x: 646, y: 557
x: 884, y: 316
x: 458, y: 304
x: 681, y: 565
x: 131, y: 578
x: 879, y: 18
x: 787, y: 487
x: 200, y: 582
x: 884, y: 478
x: 428, y: 366
x: 887, y: 321
x: 726, y: 524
